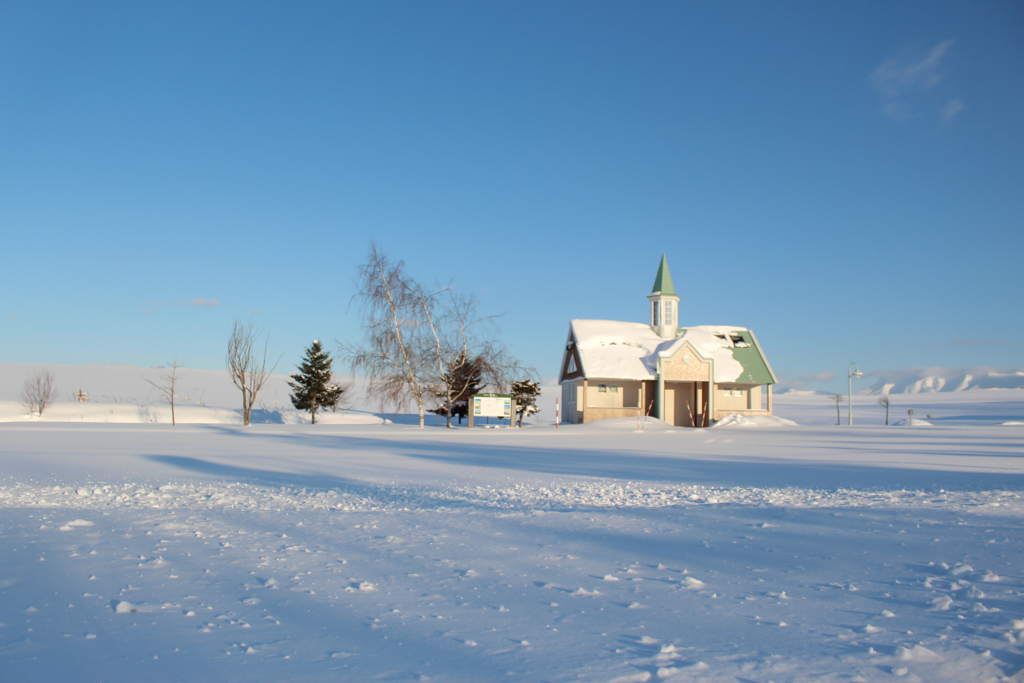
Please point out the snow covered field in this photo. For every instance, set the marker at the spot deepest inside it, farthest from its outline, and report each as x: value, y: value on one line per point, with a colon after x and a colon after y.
x: 291, y: 552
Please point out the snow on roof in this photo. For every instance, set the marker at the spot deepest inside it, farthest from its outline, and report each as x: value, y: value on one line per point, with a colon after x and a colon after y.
x: 610, y: 348
x: 623, y: 350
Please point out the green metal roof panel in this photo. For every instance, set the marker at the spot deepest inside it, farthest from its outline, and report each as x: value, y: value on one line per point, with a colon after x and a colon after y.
x: 755, y: 368
x: 663, y: 280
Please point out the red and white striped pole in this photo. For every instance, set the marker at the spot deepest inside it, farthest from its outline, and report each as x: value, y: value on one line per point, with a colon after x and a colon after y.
x: 646, y: 415
x: 556, y: 414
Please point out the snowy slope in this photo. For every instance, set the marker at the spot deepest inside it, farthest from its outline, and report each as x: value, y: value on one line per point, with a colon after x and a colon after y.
x: 588, y: 553
x: 753, y: 551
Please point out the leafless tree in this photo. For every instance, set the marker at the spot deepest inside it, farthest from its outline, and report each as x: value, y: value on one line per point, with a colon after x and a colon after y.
x: 418, y: 343
x: 39, y: 391
x: 247, y: 365
x: 883, y: 400
x: 467, y: 350
x: 396, y: 351
x: 838, y: 398
x: 168, y: 382
x: 345, y: 399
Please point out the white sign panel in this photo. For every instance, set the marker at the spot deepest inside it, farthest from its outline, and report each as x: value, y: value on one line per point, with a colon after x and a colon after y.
x: 494, y: 405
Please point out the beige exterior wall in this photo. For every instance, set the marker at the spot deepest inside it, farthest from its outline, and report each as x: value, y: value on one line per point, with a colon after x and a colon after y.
x: 616, y: 394
x: 594, y: 414
x: 679, y: 370
x: 749, y: 403
x: 583, y: 401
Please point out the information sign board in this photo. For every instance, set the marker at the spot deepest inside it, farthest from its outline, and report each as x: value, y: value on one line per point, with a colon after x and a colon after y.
x: 492, y: 405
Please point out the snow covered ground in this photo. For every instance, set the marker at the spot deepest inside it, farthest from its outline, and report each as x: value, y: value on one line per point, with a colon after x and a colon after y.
x: 751, y: 553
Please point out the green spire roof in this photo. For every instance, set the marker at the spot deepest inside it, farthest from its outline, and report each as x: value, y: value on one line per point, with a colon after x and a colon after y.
x: 663, y: 280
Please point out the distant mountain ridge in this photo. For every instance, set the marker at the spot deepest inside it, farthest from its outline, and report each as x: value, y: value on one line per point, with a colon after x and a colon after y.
x: 931, y: 380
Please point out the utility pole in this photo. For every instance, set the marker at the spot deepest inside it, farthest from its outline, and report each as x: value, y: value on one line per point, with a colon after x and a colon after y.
x: 853, y: 372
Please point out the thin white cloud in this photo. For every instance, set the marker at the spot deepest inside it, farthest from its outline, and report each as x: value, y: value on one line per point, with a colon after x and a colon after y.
x: 898, y: 75
x: 951, y: 109
x: 904, y: 80
x: 200, y: 302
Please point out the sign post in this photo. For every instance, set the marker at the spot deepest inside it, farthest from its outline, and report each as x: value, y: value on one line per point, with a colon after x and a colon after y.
x: 491, y: 405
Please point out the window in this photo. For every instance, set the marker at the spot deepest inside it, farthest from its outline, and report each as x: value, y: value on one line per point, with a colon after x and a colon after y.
x: 734, y: 391
x: 654, y: 313
x: 738, y: 341
x: 572, y: 365
x: 602, y: 388
x: 669, y: 317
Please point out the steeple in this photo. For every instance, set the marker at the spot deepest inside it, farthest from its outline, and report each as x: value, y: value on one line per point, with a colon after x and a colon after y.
x: 663, y: 280
x: 663, y: 300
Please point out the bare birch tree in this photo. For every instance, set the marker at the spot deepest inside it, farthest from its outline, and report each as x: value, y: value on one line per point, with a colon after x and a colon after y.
x: 420, y: 346
x: 467, y: 350
x: 247, y: 365
x: 39, y: 391
x: 168, y: 382
x: 395, y: 352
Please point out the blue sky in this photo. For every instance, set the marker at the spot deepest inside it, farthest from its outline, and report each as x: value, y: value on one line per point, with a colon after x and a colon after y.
x: 845, y: 179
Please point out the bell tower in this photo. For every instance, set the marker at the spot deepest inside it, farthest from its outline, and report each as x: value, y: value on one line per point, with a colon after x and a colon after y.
x: 664, y: 303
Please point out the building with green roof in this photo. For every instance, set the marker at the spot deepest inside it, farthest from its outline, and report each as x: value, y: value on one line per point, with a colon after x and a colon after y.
x: 686, y: 376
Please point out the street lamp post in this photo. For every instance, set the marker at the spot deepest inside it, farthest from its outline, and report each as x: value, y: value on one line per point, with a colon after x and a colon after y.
x: 853, y: 372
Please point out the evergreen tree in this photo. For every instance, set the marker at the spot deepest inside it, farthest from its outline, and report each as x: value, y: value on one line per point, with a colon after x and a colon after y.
x: 312, y: 387
x: 463, y: 379
x: 525, y: 394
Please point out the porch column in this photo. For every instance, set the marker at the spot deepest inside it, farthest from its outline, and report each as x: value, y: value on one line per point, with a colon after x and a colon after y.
x: 659, y: 399
x: 581, y: 406
x: 769, y: 386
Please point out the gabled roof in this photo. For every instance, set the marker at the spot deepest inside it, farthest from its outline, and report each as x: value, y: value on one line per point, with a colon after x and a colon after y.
x: 755, y: 367
x: 621, y: 350
x: 663, y: 280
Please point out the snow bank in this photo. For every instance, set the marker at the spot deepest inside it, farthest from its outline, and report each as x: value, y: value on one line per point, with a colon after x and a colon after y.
x: 913, y: 422
x: 736, y: 420
x: 346, y: 417
x: 627, y: 424
x: 124, y: 413
x: 119, y: 413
